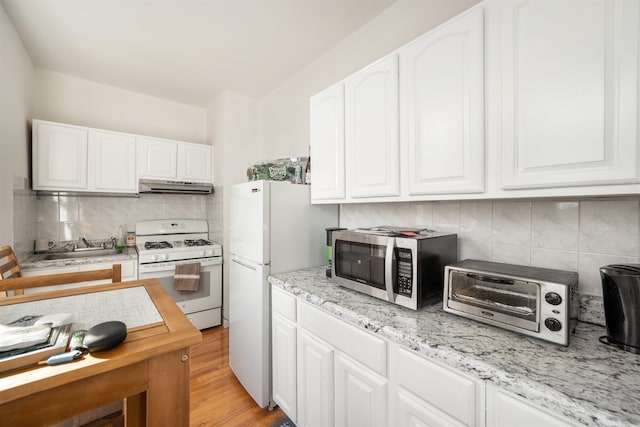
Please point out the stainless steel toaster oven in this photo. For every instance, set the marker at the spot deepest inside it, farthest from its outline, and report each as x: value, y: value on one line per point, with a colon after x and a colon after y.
x: 539, y: 302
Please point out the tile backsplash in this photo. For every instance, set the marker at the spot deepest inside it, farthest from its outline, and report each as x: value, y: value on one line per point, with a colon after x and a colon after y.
x: 60, y: 218
x: 576, y: 235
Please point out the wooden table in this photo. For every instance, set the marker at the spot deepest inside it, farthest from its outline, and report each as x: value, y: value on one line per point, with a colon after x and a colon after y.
x: 150, y: 369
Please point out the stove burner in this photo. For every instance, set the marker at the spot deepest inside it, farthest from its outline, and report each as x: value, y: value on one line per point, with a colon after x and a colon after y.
x: 197, y: 242
x: 158, y: 245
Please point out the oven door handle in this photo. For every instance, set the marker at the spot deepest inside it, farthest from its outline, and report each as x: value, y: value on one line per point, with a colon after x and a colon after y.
x: 388, y: 269
x: 244, y: 264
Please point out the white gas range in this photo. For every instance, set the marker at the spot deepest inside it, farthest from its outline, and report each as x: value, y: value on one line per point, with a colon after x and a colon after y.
x: 163, y: 244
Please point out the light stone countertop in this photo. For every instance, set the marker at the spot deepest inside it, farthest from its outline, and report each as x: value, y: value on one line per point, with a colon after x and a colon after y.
x: 38, y: 261
x: 589, y: 382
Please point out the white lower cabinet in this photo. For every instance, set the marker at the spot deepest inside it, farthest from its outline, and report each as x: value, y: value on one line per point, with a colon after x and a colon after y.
x: 361, y: 395
x: 129, y: 271
x: 315, y: 382
x: 506, y: 409
x: 443, y: 396
x: 412, y: 411
x: 327, y: 372
x: 283, y: 335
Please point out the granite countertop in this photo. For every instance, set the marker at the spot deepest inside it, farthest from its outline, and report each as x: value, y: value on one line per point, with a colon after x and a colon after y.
x: 589, y: 382
x: 38, y: 261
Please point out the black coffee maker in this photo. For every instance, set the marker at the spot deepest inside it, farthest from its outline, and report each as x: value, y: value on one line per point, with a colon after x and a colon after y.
x: 621, y: 296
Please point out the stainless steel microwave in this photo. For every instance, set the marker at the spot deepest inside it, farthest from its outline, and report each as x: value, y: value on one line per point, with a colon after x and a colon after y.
x: 401, y: 265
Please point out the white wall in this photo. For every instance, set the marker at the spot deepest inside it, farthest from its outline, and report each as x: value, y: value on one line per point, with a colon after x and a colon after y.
x: 232, y: 129
x: 15, y: 116
x: 68, y: 99
x: 284, y: 113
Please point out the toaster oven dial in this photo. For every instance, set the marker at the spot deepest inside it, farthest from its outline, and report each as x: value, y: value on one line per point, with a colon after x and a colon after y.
x: 553, y: 298
x: 552, y: 324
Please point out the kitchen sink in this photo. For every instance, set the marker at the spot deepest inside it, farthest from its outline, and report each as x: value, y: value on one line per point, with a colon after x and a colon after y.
x: 83, y: 254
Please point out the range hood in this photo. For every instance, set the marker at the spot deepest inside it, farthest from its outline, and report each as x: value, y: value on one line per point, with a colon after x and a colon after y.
x: 174, y: 187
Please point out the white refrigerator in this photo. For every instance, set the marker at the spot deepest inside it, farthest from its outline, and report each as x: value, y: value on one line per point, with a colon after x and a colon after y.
x: 273, y: 228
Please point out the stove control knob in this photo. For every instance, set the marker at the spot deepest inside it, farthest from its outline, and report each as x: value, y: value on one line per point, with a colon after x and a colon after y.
x: 210, y: 252
x: 552, y: 324
x: 164, y: 257
x: 201, y: 253
x: 154, y: 257
x: 553, y: 298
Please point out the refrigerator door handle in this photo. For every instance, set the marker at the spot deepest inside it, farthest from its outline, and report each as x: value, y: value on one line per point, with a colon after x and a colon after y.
x: 244, y: 264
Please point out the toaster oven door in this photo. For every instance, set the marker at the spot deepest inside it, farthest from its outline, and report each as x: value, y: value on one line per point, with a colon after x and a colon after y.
x: 501, y: 299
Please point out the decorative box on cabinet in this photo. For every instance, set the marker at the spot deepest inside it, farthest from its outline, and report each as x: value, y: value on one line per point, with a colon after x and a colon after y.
x: 568, y: 79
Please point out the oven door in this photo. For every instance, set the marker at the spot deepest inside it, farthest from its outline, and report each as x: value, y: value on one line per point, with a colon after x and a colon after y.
x: 496, y: 298
x: 209, y: 293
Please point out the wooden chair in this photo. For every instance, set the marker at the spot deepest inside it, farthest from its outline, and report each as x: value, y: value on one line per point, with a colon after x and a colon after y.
x: 18, y: 284
x: 9, y: 267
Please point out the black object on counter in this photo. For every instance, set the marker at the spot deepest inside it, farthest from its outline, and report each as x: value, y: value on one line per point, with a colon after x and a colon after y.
x: 621, y: 296
x: 105, y: 336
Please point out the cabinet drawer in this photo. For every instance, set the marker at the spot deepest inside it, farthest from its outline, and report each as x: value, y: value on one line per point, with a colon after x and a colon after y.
x: 455, y: 394
x: 283, y: 303
x: 360, y: 345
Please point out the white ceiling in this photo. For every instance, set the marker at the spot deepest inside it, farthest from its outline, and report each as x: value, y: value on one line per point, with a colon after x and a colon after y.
x: 185, y: 50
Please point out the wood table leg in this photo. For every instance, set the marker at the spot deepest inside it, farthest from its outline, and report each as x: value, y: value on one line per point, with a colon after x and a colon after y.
x: 136, y: 410
x: 168, y: 392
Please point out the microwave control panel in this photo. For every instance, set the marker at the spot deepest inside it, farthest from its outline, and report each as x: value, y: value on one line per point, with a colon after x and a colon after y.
x: 404, y: 272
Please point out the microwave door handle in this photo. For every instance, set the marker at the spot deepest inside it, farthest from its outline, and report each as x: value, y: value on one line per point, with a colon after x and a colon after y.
x: 388, y: 265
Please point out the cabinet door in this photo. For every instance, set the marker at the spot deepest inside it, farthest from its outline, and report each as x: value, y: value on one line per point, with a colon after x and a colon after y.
x: 372, y: 135
x: 156, y: 158
x: 59, y: 156
x: 283, y: 336
x: 361, y: 395
x: 507, y: 410
x: 113, y: 162
x: 315, y: 382
x: 569, y: 82
x: 195, y: 162
x: 442, y: 83
x: 327, y: 144
x: 411, y: 411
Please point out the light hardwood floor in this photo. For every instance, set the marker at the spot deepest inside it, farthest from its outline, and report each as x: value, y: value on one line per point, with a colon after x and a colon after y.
x: 217, y: 398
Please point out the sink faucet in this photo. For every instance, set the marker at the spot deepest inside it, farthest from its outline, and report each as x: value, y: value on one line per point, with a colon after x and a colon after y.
x: 86, y: 243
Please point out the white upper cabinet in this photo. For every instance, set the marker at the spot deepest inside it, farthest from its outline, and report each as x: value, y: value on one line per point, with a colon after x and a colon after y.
x: 59, y: 156
x: 569, y: 92
x: 327, y: 143
x: 174, y: 160
x: 195, y: 162
x: 442, y: 87
x: 112, y: 156
x: 157, y: 158
x: 372, y: 135
x: 74, y: 158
